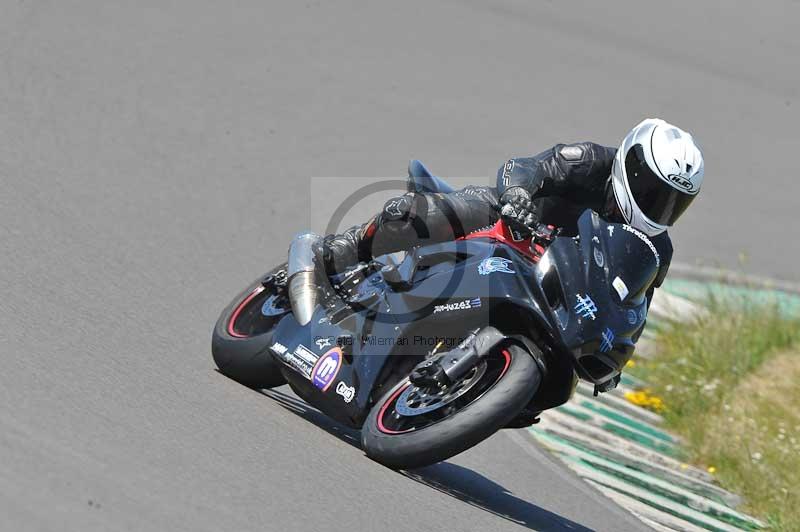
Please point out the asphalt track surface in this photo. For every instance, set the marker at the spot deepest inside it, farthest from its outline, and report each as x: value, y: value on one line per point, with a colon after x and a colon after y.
x: 156, y: 156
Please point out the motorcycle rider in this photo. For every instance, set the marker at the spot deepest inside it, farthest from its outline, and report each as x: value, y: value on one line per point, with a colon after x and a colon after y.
x: 647, y: 183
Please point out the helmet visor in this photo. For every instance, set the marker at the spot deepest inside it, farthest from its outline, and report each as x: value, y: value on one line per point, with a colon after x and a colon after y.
x: 660, y: 202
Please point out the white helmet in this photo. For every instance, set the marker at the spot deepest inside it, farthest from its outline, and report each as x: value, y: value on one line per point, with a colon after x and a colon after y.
x: 657, y: 173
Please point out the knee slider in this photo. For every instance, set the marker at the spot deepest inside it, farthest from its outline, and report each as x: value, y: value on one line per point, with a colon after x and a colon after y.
x: 399, y: 209
x: 402, y: 215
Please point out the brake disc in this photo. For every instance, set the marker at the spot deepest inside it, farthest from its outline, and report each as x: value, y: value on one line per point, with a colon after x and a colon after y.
x: 415, y: 401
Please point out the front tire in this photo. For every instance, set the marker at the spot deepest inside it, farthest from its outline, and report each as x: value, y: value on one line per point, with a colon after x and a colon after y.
x: 242, y: 353
x: 399, y: 447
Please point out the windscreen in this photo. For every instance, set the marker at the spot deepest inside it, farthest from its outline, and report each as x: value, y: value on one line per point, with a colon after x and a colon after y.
x: 633, y: 263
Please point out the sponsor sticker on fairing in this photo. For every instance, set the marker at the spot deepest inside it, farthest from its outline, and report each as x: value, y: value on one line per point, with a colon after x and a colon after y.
x: 302, y: 359
x: 599, y: 259
x: 326, y: 369
x: 644, y: 238
x: 495, y: 264
x: 323, y: 342
x: 467, y: 304
x: 306, y: 354
x: 347, y: 392
x: 608, y: 341
x: 621, y: 288
x: 586, y: 307
x: 278, y: 347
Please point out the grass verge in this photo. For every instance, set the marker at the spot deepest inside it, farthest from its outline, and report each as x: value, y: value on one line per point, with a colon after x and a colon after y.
x: 728, y: 383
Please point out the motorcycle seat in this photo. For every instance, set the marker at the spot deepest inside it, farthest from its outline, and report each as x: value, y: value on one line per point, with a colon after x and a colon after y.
x: 420, y: 179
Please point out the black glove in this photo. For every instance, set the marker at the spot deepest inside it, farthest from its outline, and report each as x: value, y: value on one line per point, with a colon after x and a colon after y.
x: 518, y: 210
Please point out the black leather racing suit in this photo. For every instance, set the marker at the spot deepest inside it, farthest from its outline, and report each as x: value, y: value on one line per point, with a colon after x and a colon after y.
x: 564, y: 181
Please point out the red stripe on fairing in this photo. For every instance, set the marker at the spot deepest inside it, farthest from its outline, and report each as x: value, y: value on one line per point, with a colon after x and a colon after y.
x: 401, y: 389
x: 238, y: 311
x: 501, y: 233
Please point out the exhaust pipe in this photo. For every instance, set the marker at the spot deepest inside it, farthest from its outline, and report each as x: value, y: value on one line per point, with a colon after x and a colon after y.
x: 303, y: 291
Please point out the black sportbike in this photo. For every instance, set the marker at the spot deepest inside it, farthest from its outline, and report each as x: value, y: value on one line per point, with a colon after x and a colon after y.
x: 432, y: 355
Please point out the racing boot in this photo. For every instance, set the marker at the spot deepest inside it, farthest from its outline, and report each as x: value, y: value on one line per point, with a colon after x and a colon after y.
x: 348, y: 248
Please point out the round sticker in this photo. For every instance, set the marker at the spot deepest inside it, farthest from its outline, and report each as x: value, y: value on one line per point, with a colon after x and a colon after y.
x: 326, y: 369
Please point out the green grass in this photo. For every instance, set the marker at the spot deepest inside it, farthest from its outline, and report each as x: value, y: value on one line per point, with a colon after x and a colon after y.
x: 730, y: 385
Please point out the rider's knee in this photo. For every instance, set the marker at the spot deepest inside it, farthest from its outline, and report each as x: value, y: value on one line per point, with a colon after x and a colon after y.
x: 407, y: 207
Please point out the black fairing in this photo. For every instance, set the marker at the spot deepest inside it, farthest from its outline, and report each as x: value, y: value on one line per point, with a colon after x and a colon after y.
x: 596, y: 283
x: 445, y: 294
x: 388, y: 331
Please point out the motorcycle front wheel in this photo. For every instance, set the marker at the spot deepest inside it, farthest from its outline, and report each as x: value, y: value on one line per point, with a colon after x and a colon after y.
x: 411, y: 427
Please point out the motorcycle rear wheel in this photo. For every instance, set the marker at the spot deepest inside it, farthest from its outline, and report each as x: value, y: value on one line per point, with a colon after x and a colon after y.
x: 242, y: 337
x: 504, y: 388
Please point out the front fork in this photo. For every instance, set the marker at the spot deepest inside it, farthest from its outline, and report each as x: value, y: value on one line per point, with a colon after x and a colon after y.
x: 456, y: 363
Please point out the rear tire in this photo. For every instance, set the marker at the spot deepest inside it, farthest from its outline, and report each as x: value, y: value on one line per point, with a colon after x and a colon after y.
x: 467, y: 427
x: 245, y: 359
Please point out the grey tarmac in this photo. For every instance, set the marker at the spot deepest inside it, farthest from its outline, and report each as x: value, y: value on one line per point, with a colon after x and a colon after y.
x: 157, y: 156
